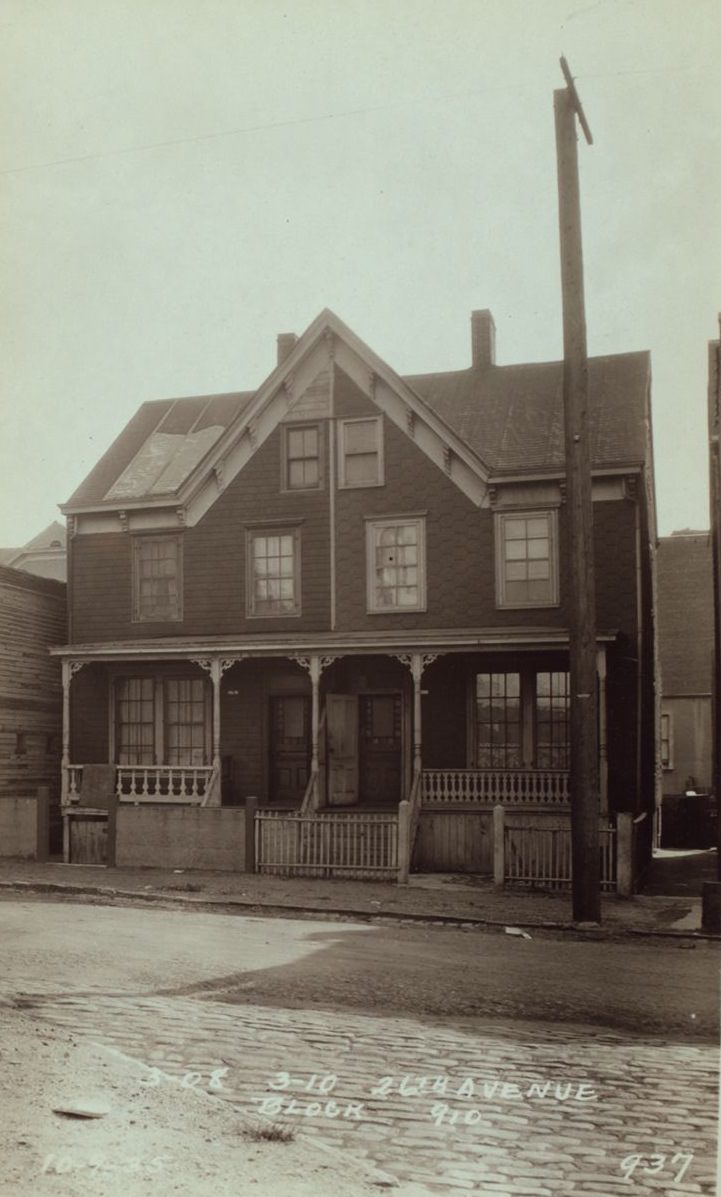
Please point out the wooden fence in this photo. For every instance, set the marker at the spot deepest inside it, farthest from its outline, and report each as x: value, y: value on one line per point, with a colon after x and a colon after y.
x: 326, y: 845
x: 537, y: 855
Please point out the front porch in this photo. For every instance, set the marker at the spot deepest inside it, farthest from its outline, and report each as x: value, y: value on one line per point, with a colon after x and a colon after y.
x: 393, y: 732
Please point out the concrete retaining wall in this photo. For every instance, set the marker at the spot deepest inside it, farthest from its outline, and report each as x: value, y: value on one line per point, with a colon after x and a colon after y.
x: 21, y: 827
x: 180, y: 837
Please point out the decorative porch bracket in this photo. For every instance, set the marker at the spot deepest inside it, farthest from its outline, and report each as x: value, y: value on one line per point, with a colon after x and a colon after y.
x: 417, y: 663
x: 216, y: 667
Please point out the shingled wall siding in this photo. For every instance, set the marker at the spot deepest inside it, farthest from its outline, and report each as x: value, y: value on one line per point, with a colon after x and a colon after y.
x: 213, y: 564
x: 459, y: 551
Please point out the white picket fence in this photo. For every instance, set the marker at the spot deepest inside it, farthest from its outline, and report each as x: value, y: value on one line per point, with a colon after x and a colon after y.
x: 362, y: 845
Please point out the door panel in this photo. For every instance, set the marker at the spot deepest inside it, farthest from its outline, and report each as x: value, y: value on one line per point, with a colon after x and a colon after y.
x: 380, y: 747
x: 342, y: 748
x: 289, y: 747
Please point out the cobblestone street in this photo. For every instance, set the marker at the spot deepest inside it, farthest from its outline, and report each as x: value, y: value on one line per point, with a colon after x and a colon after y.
x: 500, y: 1109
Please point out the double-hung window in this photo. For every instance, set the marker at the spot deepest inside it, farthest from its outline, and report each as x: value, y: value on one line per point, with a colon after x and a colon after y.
x: 521, y: 719
x: 273, y: 572
x: 666, y: 741
x: 302, y: 457
x: 526, y: 559
x: 157, y: 579
x: 396, y: 564
x: 161, y: 722
x: 360, y: 452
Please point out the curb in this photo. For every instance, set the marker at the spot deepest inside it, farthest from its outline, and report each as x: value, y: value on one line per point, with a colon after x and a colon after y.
x: 603, y: 931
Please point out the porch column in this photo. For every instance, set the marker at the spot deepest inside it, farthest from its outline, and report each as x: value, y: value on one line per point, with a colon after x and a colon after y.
x: 417, y: 675
x: 216, y: 675
x: 314, y: 666
x: 417, y: 662
x: 602, y: 736
x: 68, y: 668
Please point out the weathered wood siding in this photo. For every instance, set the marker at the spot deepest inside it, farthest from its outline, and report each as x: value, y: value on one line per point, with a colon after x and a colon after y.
x: 32, y: 618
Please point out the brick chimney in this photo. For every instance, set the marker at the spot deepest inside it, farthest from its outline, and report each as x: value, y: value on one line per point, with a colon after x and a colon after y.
x: 483, y: 339
x: 286, y: 345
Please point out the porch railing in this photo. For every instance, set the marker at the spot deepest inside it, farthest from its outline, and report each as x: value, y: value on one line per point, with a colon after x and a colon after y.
x: 520, y: 787
x: 163, y: 783
x: 189, y: 784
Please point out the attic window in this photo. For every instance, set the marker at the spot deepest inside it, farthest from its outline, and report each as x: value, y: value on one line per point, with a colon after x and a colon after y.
x: 360, y: 452
x: 302, y: 457
x: 157, y: 579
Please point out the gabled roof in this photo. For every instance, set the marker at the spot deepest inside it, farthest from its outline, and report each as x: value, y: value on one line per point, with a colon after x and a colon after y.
x: 495, y: 419
x: 685, y: 612
x: 513, y: 415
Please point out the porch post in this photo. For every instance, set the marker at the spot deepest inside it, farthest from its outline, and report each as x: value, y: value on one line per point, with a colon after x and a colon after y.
x: 602, y: 737
x: 65, y: 762
x: 314, y: 669
x: 216, y: 676
x: 417, y: 664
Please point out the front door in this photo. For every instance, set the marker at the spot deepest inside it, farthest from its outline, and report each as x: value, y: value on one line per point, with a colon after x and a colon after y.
x: 342, y: 748
x: 289, y: 748
x: 380, y: 748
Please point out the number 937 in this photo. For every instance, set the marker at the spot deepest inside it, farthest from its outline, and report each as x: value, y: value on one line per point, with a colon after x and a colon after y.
x: 654, y: 1164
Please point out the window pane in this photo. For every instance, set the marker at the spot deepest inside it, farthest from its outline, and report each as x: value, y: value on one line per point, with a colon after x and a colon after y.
x: 156, y: 578
x: 361, y: 468
x: 498, y: 720
x: 361, y: 436
x: 273, y: 569
x: 552, y: 719
x: 397, y: 581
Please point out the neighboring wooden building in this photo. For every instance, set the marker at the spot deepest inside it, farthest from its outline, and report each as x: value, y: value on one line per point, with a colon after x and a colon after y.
x: 44, y: 555
x: 348, y: 589
x: 685, y: 636
x: 33, y: 617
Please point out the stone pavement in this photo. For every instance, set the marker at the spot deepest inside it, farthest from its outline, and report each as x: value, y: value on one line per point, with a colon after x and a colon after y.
x: 429, y: 896
x: 500, y: 1110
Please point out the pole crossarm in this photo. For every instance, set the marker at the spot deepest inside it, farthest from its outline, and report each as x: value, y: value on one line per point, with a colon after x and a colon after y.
x: 577, y: 106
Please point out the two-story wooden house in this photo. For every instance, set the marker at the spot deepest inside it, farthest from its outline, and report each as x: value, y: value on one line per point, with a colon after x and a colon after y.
x: 346, y: 584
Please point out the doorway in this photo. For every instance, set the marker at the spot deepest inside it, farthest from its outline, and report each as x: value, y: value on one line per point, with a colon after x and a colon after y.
x: 290, y: 748
x: 380, y: 743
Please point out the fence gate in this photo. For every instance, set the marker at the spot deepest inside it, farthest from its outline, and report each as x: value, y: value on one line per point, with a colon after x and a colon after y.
x: 326, y: 845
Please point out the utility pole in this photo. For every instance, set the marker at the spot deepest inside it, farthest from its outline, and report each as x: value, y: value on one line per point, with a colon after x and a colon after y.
x: 584, y: 771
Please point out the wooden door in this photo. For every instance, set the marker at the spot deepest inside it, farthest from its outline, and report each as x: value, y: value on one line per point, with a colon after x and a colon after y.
x: 342, y: 749
x: 289, y: 748
x: 88, y: 833
x: 380, y: 748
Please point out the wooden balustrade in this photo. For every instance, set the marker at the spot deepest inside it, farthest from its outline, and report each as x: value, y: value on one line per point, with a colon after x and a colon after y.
x: 163, y: 783
x: 510, y: 787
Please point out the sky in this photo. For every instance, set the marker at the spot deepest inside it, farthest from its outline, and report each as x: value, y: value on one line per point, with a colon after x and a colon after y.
x: 182, y: 180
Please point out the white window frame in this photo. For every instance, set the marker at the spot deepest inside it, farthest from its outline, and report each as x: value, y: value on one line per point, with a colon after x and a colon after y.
x: 138, y: 543
x: 287, y: 429
x: 373, y: 527
x: 666, y: 765
x: 271, y: 530
x: 160, y: 724
x: 501, y: 517
x: 343, y: 483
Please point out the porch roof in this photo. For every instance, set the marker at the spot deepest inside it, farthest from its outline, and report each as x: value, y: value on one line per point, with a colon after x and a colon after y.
x: 526, y: 639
